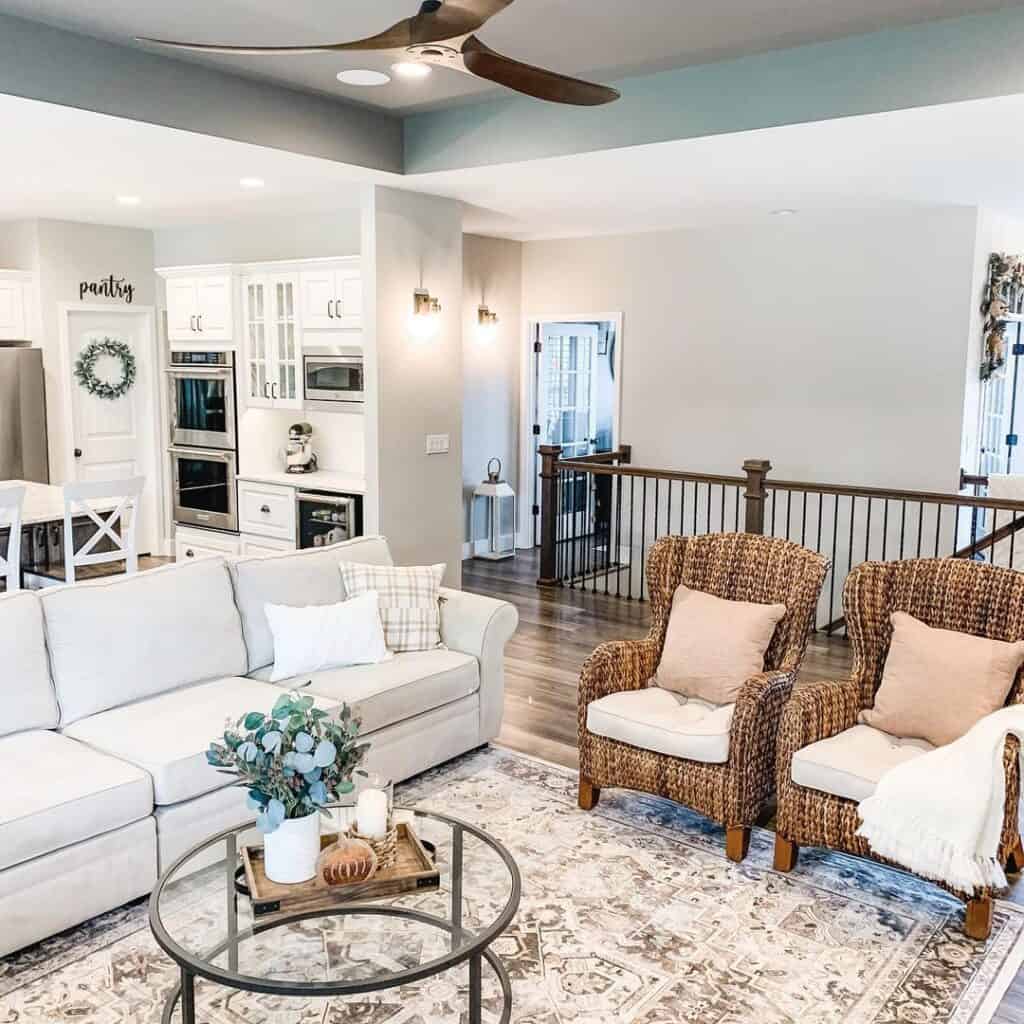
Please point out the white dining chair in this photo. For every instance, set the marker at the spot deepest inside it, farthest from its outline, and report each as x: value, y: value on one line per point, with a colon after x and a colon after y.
x: 123, y: 515
x: 11, y: 501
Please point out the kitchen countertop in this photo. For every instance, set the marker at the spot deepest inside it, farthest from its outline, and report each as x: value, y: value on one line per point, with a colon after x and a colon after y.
x: 44, y: 503
x: 321, y: 480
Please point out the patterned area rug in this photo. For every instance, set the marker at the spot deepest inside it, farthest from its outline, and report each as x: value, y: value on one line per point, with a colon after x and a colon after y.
x: 629, y: 913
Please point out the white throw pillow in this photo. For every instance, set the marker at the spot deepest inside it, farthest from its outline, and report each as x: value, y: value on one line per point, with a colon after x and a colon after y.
x: 410, y: 601
x: 326, y: 636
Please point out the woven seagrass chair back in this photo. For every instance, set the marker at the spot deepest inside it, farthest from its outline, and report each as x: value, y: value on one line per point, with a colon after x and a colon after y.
x: 741, y: 567
x: 945, y: 593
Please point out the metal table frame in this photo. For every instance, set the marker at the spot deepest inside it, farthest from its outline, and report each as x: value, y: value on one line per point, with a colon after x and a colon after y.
x: 465, y: 945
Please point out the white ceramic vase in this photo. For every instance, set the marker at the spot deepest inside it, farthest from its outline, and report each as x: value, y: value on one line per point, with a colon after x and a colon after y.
x: 290, y: 852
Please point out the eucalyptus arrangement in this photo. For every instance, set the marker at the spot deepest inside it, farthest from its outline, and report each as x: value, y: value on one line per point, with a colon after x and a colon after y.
x: 293, y: 761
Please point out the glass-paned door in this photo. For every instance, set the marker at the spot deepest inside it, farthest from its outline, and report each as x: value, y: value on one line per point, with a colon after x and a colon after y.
x: 257, y: 356
x: 566, y: 415
x: 287, y: 386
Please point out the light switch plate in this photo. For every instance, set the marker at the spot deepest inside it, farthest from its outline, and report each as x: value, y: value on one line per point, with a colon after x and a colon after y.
x: 438, y: 444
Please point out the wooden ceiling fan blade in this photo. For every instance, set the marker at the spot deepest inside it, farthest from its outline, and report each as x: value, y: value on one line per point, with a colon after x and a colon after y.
x: 399, y: 36
x: 480, y: 60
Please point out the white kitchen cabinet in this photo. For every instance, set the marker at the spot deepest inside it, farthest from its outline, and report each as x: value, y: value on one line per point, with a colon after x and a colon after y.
x: 266, y: 510
x: 272, y: 340
x: 332, y: 298
x: 252, y: 545
x: 199, y: 308
x: 191, y: 543
x: 13, y: 305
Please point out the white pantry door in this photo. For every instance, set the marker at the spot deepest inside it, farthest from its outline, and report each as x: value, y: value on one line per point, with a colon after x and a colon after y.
x: 115, y: 438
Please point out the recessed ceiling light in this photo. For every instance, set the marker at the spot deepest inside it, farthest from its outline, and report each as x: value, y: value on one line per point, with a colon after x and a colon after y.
x: 251, y: 182
x: 363, y: 76
x: 411, y: 69
x: 129, y: 200
x: 784, y: 212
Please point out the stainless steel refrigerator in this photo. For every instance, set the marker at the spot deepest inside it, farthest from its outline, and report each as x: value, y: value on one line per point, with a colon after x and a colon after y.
x: 22, y: 415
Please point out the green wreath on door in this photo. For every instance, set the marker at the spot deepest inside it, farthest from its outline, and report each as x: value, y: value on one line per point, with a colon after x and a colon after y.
x: 85, y: 368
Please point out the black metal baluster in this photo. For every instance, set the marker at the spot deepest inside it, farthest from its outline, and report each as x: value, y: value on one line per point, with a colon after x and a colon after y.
x: 920, y: 526
x: 736, y: 498
x: 572, y: 512
x: 668, y: 510
x: 618, y: 535
x: 903, y: 525
x: 632, y: 503
x: 956, y: 526
x: 772, y: 527
x: 559, y: 547
x: 789, y: 511
x: 721, y: 528
x: 938, y: 525
x: 682, y: 507
x: 709, y: 507
x: 849, y: 551
x: 657, y: 503
x: 821, y: 506
x: 835, y: 551
x: 867, y: 534
x: 1013, y: 538
x: 885, y: 527
x: 696, y: 499
x: 643, y: 541
x: 803, y: 523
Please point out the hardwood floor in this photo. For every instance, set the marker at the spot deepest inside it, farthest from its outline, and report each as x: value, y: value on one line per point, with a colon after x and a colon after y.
x: 558, y: 628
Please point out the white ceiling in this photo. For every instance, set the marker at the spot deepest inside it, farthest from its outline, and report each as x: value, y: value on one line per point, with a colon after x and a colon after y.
x: 603, y: 38
x: 72, y: 164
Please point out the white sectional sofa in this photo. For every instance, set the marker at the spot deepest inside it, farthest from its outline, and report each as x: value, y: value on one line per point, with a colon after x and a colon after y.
x: 111, y: 691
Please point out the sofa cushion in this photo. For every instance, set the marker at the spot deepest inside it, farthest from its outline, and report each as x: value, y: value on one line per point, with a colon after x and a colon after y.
x: 130, y: 637
x: 65, y: 793
x: 297, y: 578
x: 25, y: 686
x: 665, y: 722
x: 851, y: 763
x: 406, y: 685
x: 168, y: 735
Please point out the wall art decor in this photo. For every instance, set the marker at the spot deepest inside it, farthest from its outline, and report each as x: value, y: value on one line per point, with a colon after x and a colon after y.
x: 1004, y: 297
x: 85, y: 368
x: 107, y: 288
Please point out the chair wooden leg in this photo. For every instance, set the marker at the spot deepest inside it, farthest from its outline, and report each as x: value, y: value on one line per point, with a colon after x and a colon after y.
x: 589, y: 793
x: 786, y: 853
x: 1015, y: 862
x: 737, y: 842
x: 978, y: 918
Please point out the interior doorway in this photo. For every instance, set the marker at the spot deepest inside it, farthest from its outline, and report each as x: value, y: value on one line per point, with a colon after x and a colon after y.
x: 106, y: 439
x: 572, y: 391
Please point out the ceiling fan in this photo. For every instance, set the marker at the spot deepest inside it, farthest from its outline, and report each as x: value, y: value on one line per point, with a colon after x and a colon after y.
x: 441, y: 33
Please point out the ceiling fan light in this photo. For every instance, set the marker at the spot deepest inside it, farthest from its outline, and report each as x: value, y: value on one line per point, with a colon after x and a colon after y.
x: 362, y: 76
x: 411, y: 69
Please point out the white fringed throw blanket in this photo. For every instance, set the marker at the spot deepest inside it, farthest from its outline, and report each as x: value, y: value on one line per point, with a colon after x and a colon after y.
x: 941, y: 814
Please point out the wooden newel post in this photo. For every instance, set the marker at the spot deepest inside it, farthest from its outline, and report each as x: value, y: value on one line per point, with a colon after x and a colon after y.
x: 549, y: 456
x: 757, y: 470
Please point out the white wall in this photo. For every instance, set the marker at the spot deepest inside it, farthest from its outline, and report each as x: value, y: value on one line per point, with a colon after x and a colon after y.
x: 253, y: 239
x: 836, y: 348
x: 411, y: 240
x: 492, y: 276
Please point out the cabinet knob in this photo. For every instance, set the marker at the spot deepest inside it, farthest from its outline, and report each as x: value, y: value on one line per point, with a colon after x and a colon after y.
x: 189, y: 553
x: 78, y: 453
x: 265, y: 509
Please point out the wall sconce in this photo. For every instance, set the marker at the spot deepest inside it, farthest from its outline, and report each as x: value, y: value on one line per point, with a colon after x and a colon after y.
x: 425, y: 319
x: 487, y: 324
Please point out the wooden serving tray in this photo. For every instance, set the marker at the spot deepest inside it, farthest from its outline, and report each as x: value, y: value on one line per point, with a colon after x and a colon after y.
x: 414, y: 869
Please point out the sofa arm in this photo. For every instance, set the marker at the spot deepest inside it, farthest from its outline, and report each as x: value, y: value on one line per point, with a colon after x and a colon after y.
x: 481, y: 626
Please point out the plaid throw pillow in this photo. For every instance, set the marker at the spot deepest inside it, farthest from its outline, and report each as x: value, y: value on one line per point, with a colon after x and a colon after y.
x: 410, y: 601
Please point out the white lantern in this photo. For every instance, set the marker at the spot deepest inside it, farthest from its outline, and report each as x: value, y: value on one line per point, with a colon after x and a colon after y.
x: 500, y: 501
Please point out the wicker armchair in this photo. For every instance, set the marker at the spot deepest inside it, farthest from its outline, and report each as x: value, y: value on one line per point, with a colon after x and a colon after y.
x: 735, y: 566
x: 945, y: 593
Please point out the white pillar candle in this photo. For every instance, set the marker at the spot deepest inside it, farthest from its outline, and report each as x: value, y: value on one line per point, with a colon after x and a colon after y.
x: 372, y: 813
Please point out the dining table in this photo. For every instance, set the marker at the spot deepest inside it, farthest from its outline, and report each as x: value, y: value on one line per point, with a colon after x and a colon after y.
x: 42, y: 526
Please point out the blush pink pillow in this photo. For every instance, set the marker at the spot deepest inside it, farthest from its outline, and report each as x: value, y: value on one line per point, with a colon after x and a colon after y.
x: 713, y: 646
x: 937, y: 683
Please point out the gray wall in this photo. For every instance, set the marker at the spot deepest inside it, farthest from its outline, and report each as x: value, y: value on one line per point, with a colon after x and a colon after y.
x: 334, y: 233
x: 491, y: 274
x: 835, y: 348
x: 409, y: 240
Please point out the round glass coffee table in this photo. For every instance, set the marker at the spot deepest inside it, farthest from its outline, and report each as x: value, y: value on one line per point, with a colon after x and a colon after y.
x: 202, y: 918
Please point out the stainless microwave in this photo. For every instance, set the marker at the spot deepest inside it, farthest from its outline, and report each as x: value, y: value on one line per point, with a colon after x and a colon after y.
x: 333, y: 378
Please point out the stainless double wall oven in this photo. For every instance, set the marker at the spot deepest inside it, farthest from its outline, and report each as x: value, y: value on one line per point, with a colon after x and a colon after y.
x: 203, y: 436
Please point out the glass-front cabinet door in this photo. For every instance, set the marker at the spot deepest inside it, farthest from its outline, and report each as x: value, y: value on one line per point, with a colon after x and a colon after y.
x: 257, y: 353
x: 273, y: 346
x: 286, y: 387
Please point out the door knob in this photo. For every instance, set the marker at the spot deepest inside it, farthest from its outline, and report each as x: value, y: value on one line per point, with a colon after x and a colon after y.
x: 265, y: 509
x: 78, y: 453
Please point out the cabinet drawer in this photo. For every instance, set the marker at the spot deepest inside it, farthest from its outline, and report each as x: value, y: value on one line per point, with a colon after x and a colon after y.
x: 253, y: 545
x: 266, y: 510
x: 191, y: 544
